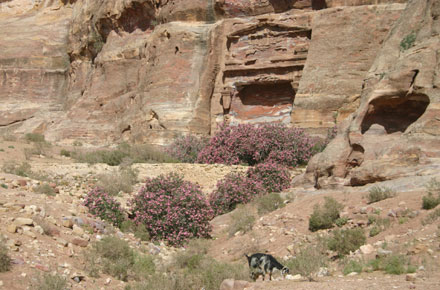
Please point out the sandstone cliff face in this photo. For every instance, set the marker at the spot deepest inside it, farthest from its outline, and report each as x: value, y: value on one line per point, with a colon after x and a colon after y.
x: 149, y: 70
x: 394, y: 131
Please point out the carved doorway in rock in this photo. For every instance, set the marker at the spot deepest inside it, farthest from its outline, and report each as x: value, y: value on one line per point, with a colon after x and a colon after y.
x: 264, y: 102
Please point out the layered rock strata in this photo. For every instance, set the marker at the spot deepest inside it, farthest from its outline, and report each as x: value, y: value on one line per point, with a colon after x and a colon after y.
x: 150, y: 70
x: 395, y: 130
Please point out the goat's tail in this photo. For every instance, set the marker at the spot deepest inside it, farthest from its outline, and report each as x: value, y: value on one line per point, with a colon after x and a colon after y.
x: 248, y: 258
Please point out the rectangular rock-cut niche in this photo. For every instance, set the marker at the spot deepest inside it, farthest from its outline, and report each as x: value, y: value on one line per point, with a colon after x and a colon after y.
x: 256, y: 103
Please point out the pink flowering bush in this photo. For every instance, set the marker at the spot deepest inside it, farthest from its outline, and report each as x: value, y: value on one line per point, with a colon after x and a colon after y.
x: 234, y: 189
x: 102, y: 205
x: 172, y: 209
x: 187, y: 148
x: 252, y: 144
x: 275, y: 177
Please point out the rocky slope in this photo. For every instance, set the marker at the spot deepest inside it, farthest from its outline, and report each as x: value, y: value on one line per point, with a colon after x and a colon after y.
x: 147, y: 71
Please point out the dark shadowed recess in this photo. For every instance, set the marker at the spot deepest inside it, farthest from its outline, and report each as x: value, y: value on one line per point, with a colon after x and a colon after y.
x: 267, y: 94
x: 319, y: 4
x: 395, y: 113
x: 137, y: 16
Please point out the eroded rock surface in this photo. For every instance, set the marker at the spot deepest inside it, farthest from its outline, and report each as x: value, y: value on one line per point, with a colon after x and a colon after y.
x: 150, y: 70
x: 394, y: 132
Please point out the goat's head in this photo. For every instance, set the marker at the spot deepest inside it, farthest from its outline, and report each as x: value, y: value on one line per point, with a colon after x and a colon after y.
x: 285, y: 271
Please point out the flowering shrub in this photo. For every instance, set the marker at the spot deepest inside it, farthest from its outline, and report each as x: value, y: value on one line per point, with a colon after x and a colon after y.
x: 275, y: 177
x: 234, y: 189
x: 186, y: 149
x: 253, y: 144
x: 102, y: 205
x: 172, y: 209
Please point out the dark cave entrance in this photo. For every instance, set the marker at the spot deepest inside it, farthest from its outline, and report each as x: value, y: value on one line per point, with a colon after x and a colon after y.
x: 396, y: 113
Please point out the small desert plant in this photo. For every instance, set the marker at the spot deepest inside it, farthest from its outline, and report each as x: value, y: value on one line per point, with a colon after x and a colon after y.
x: 4, y: 186
x: 172, y: 209
x: 324, y: 217
x: 375, y: 230
x: 47, y: 229
x: 408, y: 41
x: 432, y: 217
x: 377, y: 193
x: 234, y: 189
x: 322, y: 144
x: 275, y: 177
x: 23, y: 169
x: 118, y: 180
x: 11, y: 147
x: 5, y: 260
x: 431, y: 200
x: 109, y: 157
x: 268, y: 203
x: 242, y: 219
x: 252, y: 144
x: 353, y: 266
x: 50, y: 281
x: 102, y: 205
x: 199, y: 271
x: 125, y: 154
x: 379, y: 224
x: 77, y: 143
x: 65, y: 153
x: 44, y: 188
x: 186, y: 148
x: 340, y: 222
x: 34, y: 137
x: 308, y: 261
x: 114, y: 256
x: 394, y: 264
x: 345, y: 241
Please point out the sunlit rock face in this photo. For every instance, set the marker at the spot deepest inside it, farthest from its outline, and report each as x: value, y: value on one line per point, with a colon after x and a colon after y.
x: 147, y: 71
x: 395, y: 130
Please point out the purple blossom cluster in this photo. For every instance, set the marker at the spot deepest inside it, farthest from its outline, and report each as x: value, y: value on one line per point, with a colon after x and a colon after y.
x: 275, y: 177
x: 102, y: 205
x: 172, y: 209
x: 253, y: 144
x: 186, y: 148
x: 234, y: 189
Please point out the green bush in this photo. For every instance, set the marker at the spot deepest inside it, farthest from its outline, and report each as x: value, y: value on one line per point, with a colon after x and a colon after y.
x: 342, y: 221
x: 5, y: 260
x: 308, y: 261
x: 34, y: 137
x: 114, y: 256
x: 431, y: 200
x: 23, y: 169
x: 377, y: 193
x: 394, y: 264
x: 408, y: 41
x: 268, y: 203
x: 353, y: 266
x: 242, y: 220
x: 345, y: 241
x: 50, y: 282
x: 65, y: 153
x: 324, y: 217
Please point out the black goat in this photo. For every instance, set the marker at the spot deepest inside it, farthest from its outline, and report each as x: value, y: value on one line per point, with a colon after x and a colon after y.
x: 262, y: 264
